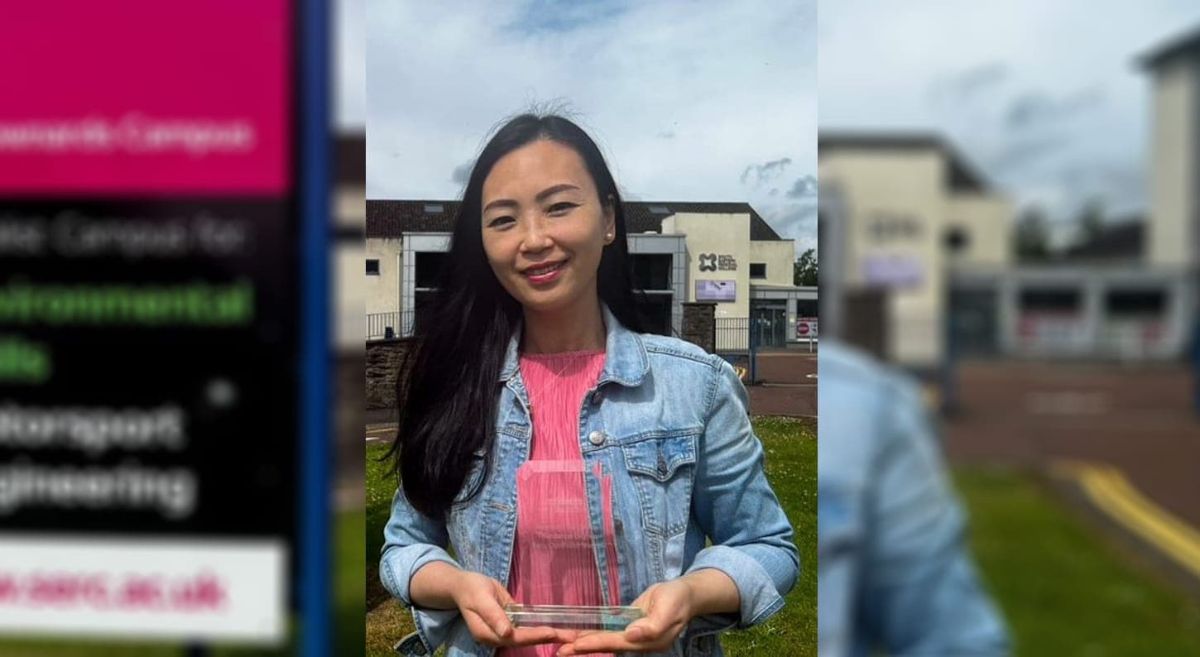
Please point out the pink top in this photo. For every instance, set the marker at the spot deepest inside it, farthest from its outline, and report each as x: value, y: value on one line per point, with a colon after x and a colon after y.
x: 553, y: 559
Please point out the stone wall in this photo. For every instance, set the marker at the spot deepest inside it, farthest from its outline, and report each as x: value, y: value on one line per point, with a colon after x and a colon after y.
x: 700, y: 324
x: 383, y: 362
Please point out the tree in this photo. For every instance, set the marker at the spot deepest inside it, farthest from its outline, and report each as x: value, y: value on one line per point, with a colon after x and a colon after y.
x: 1089, y: 224
x: 805, y: 270
x: 1033, y: 235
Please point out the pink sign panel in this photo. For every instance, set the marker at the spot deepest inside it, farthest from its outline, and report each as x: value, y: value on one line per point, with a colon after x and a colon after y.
x: 182, y: 99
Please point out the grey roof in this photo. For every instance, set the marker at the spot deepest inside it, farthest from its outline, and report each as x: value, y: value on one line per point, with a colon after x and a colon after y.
x: 387, y: 218
x: 1187, y: 43
x: 1124, y: 239
x: 963, y: 176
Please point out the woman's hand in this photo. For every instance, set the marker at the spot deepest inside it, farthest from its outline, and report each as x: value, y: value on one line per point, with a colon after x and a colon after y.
x: 669, y: 607
x: 480, y: 600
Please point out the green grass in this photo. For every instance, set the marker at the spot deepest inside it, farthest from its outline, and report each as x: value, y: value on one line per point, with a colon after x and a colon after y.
x: 1063, y: 588
x: 791, y: 464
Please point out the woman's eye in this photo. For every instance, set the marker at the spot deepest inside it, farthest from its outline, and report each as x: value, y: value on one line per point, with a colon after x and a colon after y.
x: 562, y: 208
x: 500, y: 222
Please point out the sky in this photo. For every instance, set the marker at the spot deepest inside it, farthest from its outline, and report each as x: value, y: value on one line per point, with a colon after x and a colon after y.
x: 1044, y: 98
x: 690, y: 101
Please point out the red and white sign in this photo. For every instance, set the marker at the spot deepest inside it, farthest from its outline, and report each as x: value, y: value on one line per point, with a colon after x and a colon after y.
x: 806, y: 328
x: 148, y: 588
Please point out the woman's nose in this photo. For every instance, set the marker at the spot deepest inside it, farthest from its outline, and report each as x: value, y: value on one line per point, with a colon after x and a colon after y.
x: 536, y: 238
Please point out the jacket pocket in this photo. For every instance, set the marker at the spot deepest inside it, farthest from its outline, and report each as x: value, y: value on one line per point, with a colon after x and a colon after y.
x: 662, y: 467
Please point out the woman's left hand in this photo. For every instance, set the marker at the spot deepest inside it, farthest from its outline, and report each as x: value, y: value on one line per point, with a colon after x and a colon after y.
x: 668, y: 607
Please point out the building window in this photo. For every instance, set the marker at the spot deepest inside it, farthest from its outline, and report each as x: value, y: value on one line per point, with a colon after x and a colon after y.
x: 654, y: 295
x: 1062, y: 300
x: 654, y: 308
x: 758, y: 270
x: 373, y: 267
x: 651, y: 271
x: 428, y: 267
x: 957, y: 240
x: 1136, y: 303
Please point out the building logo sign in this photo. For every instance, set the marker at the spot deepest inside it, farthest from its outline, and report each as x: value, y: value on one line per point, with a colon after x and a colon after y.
x: 720, y: 291
x: 713, y: 262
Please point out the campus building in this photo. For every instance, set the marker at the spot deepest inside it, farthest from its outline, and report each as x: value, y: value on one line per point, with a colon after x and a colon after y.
x: 917, y: 243
x: 724, y: 253
x: 910, y: 211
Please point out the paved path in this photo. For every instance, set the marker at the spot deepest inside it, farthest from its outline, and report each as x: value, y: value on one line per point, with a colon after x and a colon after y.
x: 1126, y: 436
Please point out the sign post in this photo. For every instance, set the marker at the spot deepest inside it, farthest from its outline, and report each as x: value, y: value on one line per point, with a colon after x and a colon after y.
x: 162, y: 292
x: 806, y: 329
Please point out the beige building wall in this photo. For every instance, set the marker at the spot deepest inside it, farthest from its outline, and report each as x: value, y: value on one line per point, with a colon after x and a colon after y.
x: 381, y: 294
x: 778, y: 256
x: 723, y: 235
x: 895, y: 204
x: 1173, y: 164
x: 986, y: 220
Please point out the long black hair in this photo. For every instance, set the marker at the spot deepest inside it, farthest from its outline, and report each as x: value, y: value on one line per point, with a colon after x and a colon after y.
x: 448, y: 390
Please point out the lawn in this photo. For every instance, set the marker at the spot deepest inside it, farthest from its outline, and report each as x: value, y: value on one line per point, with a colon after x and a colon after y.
x: 1063, y: 587
x: 791, y: 464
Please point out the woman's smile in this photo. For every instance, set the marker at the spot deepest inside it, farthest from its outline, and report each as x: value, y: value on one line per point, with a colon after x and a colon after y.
x: 545, y: 273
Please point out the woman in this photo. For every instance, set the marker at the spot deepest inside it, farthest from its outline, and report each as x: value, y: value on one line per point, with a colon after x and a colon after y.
x: 533, y: 359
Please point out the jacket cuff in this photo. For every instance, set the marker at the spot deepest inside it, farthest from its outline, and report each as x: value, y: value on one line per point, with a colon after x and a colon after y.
x: 398, y: 564
x: 434, y: 626
x: 759, y: 597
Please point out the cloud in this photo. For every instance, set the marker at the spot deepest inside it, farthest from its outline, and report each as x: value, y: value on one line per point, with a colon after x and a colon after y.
x: 757, y: 175
x: 461, y: 173
x: 967, y: 83
x: 553, y: 16
x: 1024, y: 151
x: 1033, y: 107
x: 796, y: 221
x: 804, y: 187
x: 679, y: 97
x: 1019, y: 103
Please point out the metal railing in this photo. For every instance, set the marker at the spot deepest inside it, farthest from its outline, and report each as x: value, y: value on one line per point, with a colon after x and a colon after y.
x: 389, y: 325
x: 732, y: 335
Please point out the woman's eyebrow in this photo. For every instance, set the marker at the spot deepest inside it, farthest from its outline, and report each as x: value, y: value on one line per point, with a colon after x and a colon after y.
x: 541, y: 196
x: 550, y: 191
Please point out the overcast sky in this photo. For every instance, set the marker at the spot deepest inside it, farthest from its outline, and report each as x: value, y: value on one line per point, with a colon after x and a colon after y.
x: 690, y: 101
x: 1044, y: 97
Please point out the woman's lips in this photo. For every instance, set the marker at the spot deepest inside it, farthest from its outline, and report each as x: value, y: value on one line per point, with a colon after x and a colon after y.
x: 541, y: 275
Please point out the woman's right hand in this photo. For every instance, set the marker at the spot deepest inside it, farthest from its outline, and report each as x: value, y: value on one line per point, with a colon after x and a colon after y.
x: 480, y: 600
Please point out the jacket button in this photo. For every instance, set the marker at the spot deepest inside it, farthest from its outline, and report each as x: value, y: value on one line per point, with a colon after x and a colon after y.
x: 596, y: 438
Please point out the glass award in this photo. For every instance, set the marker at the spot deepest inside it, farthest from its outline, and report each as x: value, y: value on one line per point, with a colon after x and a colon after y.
x: 564, y: 573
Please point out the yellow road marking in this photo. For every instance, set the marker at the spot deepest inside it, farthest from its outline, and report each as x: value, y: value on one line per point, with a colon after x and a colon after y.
x: 1108, y: 488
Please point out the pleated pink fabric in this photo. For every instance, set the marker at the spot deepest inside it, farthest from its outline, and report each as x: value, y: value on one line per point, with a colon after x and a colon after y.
x: 553, y: 558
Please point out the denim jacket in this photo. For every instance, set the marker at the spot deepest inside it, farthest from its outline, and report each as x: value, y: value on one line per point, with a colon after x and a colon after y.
x: 669, y: 422
x: 894, y: 571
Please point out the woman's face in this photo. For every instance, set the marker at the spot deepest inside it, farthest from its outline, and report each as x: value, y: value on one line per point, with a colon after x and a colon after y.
x: 544, y: 227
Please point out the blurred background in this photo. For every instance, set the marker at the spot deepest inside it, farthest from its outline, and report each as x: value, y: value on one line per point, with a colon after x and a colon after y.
x: 1010, y: 211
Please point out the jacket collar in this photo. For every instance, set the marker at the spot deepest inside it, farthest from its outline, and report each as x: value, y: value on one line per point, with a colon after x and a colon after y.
x: 625, y: 360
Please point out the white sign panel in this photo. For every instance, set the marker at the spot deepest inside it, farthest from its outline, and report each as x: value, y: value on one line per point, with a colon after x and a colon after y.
x: 893, y: 271
x: 806, y: 328
x: 150, y: 588
x: 708, y: 290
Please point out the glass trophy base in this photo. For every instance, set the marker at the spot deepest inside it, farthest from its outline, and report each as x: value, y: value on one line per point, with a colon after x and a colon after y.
x: 568, y: 617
